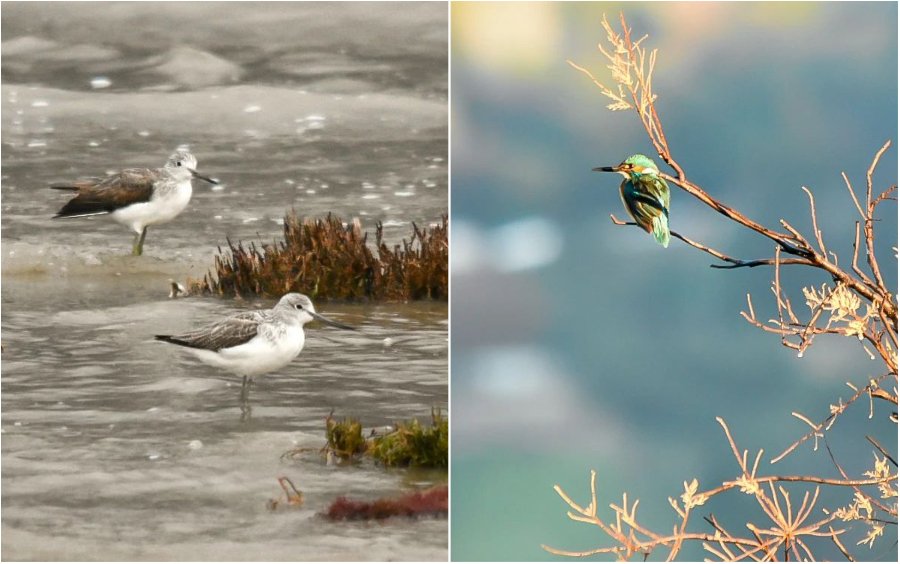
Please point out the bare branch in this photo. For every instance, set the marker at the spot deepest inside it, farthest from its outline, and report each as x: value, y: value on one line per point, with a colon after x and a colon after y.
x: 854, y: 303
x: 815, y: 223
x: 735, y: 263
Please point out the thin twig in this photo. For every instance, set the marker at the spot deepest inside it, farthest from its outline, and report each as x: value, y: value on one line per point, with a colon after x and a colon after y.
x: 859, y: 272
x: 822, y: 425
x: 868, y: 227
x: 855, y: 487
x: 815, y: 222
x: 735, y: 263
x: 881, y: 450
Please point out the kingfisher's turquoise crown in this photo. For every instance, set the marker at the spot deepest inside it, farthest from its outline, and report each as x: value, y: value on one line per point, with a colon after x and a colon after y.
x: 641, y: 161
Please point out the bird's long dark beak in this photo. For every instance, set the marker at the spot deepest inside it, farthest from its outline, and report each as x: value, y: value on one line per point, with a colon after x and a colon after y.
x: 606, y: 169
x: 327, y: 321
x: 201, y: 177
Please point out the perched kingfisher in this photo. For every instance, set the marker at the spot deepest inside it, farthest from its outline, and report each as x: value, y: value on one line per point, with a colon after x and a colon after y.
x: 645, y: 195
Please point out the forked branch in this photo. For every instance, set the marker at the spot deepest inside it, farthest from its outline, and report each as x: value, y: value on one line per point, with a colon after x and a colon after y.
x: 855, y: 303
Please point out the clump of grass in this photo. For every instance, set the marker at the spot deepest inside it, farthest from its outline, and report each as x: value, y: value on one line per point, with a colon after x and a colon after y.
x: 418, y: 269
x: 414, y: 444
x: 409, y: 444
x: 324, y: 258
x: 345, y: 438
x: 427, y: 503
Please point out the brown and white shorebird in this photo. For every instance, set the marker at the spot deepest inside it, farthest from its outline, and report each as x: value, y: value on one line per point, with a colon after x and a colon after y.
x: 136, y: 197
x: 253, y: 343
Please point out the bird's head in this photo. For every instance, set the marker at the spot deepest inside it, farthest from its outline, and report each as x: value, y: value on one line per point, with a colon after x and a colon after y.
x: 633, y: 167
x: 302, y: 309
x: 183, y: 160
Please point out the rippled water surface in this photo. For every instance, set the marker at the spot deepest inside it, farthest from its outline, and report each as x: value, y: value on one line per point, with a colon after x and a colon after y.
x: 116, y: 446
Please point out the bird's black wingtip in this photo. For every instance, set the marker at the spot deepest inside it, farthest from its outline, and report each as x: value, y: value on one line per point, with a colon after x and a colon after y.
x: 176, y: 341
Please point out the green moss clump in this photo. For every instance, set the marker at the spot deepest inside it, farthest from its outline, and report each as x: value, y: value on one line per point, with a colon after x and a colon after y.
x: 345, y: 437
x: 414, y: 444
x: 410, y: 444
x: 323, y: 258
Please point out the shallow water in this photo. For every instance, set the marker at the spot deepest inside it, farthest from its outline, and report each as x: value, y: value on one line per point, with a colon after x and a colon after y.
x: 116, y: 446
x: 128, y: 448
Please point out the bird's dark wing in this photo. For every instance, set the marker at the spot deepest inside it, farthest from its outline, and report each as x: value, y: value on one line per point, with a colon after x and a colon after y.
x: 78, y: 184
x: 106, y: 195
x: 651, y: 201
x: 641, y: 205
x: 224, y: 334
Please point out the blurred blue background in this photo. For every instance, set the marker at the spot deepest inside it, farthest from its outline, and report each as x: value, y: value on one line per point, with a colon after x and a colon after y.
x: 577, y: 344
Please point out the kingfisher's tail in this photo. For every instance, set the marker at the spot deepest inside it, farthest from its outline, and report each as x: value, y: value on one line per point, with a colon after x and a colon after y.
x: 661, y: 229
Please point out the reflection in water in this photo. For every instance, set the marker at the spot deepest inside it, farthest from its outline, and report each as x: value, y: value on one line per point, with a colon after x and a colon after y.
x: 115, y: 447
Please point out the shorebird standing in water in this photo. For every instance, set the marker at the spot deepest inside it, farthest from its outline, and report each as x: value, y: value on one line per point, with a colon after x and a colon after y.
x: 136, y: 197
x: 255, y: 342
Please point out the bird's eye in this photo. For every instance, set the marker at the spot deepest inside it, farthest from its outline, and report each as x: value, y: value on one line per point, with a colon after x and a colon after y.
x: 178, y: 163
x: 298, y: 306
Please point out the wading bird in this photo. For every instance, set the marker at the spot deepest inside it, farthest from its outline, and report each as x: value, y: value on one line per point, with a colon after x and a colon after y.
x: 136, y: 197
x: 255, y: 342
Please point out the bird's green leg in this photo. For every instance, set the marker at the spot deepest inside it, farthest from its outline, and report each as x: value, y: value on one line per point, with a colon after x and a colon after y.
x: 138, y: 248
x: 245, y: 399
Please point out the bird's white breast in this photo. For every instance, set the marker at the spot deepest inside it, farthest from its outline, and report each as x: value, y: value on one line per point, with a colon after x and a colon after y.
x: 166, y: 203
x: 272, y: 348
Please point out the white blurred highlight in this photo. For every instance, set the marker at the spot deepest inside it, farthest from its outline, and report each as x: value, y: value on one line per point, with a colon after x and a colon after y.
x: 524, y: 244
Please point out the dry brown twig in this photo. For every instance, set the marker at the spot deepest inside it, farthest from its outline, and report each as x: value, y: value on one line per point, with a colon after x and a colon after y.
x: 856, y: 303
x: 788, y: 531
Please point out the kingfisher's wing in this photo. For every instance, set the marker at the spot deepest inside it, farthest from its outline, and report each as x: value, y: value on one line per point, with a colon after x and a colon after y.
x: 642, y: 205
x: 657, y: 188
x: 106, y: 195
x: 648, y: 200
x: 230, y: 332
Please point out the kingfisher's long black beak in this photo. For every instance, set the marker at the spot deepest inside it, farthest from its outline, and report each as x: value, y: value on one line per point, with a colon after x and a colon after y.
x: 201, y: 177
x: 327, y: 321
x: 606, y: 169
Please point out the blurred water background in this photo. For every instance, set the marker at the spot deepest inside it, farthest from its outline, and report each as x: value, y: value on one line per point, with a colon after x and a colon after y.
x: 580, y: 345
x: 117, y: 447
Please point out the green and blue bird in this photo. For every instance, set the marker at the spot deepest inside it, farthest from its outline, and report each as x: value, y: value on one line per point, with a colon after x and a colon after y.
x: 645, y: 195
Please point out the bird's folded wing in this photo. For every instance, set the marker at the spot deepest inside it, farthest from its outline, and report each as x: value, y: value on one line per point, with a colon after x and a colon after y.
x: 78, y: 184
x: 224, y: 334
x: 658, y: 188
x: 108, y: 194
x: 651, y: 202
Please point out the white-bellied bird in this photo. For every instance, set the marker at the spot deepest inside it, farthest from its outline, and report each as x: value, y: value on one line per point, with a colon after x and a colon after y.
x: 136, y: 197
x: 252, y: 343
